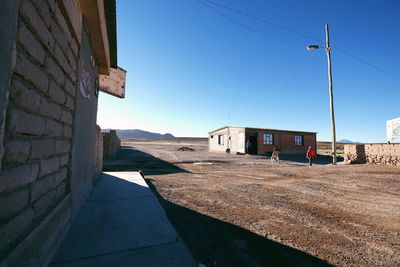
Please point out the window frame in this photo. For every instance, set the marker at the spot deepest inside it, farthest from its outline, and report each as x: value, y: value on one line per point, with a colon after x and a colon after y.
x: 221, y: 139
x: 296, y: 143
x: 268, y: 141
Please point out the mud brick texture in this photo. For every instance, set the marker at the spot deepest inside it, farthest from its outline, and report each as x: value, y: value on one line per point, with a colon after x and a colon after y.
x: 39, y: 121
x: 384, y: 154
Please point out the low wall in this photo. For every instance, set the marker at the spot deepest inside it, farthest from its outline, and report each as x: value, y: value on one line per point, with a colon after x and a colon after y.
x: 99, y: 151
x: 111, y: 144
x: 387, y: 154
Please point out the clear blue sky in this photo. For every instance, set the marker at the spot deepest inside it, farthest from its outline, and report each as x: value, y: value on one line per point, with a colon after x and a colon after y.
x: 191, y: 70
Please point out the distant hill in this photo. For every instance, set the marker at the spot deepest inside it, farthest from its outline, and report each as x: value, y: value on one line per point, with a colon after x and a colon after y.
x: 136, y: 133
x: 346, y: 141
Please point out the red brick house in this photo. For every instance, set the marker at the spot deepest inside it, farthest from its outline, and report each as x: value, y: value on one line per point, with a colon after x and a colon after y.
x: 234, y: 139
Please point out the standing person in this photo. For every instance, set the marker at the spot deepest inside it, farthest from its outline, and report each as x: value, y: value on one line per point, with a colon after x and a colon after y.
x: 248, y: 146
x: 310, y: 155
x: 275, y: 155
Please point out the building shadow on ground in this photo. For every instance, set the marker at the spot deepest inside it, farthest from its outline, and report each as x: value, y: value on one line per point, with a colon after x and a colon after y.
x: 130, y: 159
x: 211, y: 241
x: 217, y: 243
x: 300, y: 158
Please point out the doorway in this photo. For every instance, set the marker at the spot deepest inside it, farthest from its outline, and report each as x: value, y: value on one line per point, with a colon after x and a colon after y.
x: 253, y: 149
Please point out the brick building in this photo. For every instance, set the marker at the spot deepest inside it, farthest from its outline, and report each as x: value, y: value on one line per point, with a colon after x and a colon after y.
x: 55, y: 55
x: 234, y: 139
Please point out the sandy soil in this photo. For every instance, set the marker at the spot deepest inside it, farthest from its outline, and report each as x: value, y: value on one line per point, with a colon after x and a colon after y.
x: 234, y: 210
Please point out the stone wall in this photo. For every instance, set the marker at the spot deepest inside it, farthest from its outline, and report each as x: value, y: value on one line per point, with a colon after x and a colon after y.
x: 388, y: 154
x: 48, y: 132
x: 111, y: 144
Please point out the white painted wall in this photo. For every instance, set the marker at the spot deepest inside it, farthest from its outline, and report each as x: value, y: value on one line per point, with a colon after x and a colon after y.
x: 213, y: 141
x: 235, y: 142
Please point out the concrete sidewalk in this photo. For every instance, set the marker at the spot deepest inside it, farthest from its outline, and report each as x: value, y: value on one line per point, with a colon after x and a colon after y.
x: 122, y: 224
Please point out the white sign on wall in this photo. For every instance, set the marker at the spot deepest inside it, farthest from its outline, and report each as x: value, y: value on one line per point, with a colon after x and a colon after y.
x: 393, y: 130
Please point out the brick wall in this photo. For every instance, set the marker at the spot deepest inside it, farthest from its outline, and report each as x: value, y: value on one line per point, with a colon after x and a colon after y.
x: 387, y: 154
x: 45, y: 116
x: 285, y: 142
x: 265, y: 148
x: 38, y: 128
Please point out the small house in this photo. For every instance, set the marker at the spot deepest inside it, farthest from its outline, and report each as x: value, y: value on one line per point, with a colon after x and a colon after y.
x: 259, y: 141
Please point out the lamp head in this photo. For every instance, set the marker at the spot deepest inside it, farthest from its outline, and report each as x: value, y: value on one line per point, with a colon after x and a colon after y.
x: 312, y: 47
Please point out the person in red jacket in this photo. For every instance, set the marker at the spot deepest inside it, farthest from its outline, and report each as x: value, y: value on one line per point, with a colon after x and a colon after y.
x: 311, y: 155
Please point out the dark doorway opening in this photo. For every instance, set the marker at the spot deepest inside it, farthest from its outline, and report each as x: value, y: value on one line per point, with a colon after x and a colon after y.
x: 253, y: 149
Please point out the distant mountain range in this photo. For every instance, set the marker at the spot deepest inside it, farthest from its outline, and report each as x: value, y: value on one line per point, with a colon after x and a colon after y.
x: 136, y: 133
x: 346, y: 141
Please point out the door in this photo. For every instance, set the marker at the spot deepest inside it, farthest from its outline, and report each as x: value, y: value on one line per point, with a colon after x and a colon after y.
x: 253, y: 148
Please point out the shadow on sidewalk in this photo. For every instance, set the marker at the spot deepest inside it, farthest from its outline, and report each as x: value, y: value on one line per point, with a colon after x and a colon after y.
x: 121, y: 224
x: 217, y: 243
x: 130, y: 159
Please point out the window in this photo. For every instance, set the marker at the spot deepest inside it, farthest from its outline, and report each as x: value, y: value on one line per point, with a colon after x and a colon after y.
x: 268, y: 139
x: 212, y: 136
x: 220, y: 140
x: 299, y: 140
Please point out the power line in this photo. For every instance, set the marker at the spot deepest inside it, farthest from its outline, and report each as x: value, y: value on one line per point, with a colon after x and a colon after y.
x: 245, y: 26
x: 265, y: 21
x: 367, y: 63
x: 283, y: 78
x: 286, y: 29
x: 290, y: 73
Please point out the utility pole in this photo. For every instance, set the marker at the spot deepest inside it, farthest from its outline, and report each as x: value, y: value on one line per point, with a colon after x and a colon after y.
x: 328, y: 54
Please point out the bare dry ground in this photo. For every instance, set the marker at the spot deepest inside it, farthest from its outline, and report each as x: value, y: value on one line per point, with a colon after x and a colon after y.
x: 234, y: 210
x: 325, y: 148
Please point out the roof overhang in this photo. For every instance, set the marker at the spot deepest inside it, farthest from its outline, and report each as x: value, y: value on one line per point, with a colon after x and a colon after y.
x: 99, y: 17
x: 261, y: 129
x: 95, y: 20
x: 278, y: 130
x: 219, y: 129
x: 72, y: 10
x: 110, y: 10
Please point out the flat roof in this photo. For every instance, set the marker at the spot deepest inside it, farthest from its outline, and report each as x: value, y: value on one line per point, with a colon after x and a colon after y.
x: 263, y: 129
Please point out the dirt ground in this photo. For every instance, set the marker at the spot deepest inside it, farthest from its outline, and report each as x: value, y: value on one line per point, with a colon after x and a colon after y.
x: 241, y: 210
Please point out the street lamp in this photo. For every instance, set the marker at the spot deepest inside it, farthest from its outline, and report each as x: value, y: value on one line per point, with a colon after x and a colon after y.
x: 328, y: 54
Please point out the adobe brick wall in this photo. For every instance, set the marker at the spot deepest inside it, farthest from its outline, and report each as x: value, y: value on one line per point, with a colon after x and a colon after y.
x: 111, y: 144
x: 40, y: 135
x: 387, y: 154
x: 8, y: 31
x: 99, y: 150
